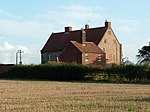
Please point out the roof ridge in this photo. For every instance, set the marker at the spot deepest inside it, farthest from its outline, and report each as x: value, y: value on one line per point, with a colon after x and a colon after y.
x: 78, y: 30
x: 86, y: 48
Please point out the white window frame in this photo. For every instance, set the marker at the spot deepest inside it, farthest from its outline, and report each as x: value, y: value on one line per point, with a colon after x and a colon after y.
x: 99, y: 58
x: 86, y: 57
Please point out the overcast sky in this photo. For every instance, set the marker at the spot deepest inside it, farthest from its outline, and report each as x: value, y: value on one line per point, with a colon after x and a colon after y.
x: 27, y: 24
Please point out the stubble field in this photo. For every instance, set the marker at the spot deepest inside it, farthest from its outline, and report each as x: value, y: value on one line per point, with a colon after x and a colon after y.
x: 48, y: 96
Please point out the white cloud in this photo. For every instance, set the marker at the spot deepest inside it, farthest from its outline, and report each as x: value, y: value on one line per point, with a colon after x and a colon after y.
x: 8, y: 52
x: 50, y: 21
x: 6, y: 47
x: 23, y: 28
x: 75, y: 16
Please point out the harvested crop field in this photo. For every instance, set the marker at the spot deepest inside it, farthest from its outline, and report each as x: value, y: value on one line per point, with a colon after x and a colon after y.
x: 49, y: 96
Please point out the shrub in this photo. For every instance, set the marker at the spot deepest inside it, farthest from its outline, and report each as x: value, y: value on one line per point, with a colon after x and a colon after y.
x: 74, y: 71
x: 51, y: 72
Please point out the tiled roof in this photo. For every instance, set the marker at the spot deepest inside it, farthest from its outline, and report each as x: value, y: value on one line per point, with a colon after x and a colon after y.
x: 87, y: 47
x: 58, y: 41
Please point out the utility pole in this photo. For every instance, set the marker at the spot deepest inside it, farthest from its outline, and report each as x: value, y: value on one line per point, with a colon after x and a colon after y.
x: 20, y: 57
x: 17, y: 58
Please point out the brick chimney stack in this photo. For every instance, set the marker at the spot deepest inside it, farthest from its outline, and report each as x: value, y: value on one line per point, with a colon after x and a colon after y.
x: 83, y: 37
x: 107, y: 24
x: 86, y: 26
x: 68, y: 29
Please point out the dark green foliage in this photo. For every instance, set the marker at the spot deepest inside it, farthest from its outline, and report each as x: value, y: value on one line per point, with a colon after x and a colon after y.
x: 144, y: 55
x: 51, y: 72
x: 67, y: 72
x: 134, y: 72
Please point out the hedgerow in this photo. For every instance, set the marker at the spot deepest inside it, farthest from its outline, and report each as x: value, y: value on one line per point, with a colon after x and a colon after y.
x: 63, y: 71
x: 51, y: 72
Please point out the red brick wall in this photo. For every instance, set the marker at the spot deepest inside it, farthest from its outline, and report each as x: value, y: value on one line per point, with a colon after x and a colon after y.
x: 71, y: 54
x: 5, y: 67
x: 93, y: 59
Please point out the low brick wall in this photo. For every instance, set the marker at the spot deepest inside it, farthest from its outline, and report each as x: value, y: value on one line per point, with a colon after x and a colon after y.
x: 5, y: 67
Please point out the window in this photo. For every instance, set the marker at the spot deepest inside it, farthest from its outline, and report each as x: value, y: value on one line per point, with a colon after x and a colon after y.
x: 49, y: 56
x: 86, y: 57
x: 44, y: 57
x: 52, y: 57
x: 99, y: 58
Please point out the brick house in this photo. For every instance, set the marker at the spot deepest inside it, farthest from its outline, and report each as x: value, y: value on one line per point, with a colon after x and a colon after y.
x: 83, y: 53
x: 94, y: 45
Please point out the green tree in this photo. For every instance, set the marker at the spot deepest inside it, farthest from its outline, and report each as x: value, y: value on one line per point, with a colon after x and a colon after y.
x: 144, y: 55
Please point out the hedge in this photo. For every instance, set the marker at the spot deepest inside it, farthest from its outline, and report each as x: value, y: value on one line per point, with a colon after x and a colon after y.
x: 50, y: 72
x: 61, y: 72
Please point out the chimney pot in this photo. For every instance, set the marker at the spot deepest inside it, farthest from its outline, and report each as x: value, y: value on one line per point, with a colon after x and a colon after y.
x: 86, y: 26
x: 107, y: 24
x: 68, y: 29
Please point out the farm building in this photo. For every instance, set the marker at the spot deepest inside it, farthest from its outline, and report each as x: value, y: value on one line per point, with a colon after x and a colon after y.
x: 86, y: 46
